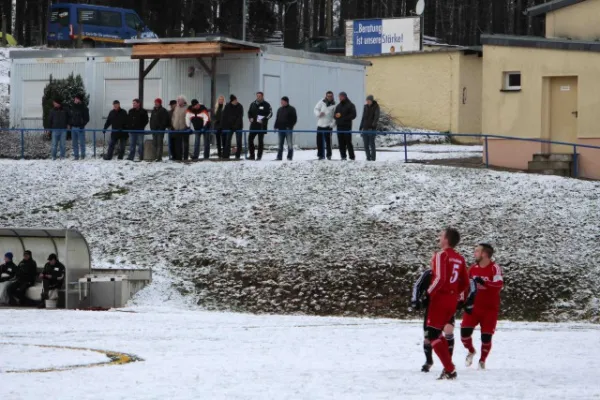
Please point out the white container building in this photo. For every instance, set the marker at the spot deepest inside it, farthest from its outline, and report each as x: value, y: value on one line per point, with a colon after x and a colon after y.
x: 112, y: 74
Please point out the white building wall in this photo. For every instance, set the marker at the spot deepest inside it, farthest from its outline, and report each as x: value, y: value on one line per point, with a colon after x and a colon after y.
x: 28, y: 77
x: 305, y: 82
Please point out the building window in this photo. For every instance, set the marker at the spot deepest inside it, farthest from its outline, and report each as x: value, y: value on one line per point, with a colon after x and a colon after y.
x: 512, y: 81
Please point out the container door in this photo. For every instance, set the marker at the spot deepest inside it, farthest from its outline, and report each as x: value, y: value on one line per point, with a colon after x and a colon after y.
x: 272, y: 90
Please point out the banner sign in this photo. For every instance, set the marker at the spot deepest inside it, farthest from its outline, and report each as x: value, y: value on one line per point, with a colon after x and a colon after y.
x: 369, y: 37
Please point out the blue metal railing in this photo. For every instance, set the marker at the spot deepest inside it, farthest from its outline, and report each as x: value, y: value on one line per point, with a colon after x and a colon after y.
x: 483, y: 137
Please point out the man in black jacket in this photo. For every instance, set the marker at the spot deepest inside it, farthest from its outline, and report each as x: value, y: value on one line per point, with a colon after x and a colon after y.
x: 137, y: 121
x: 160, y: 120
x: 345, y: 113
x: 368, y: 126
x: 233, y: 122
x: 80, y: 116
x: 53, y: 278
x: 58, y: 122
x: 117, y: 119
x: 26, y: 275
x: 284, y: 123
x: 259, y: 114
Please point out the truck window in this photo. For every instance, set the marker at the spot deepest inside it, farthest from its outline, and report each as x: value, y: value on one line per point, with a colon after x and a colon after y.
x: 133, y: 21
x: 100, y: 18
x: 60, y: 16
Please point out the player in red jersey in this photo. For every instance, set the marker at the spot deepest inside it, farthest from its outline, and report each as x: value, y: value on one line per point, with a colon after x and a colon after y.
x: 448, y: 281
x: 488, y: 276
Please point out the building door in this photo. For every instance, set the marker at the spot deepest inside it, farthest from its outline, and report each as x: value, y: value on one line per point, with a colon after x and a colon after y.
x: 563, y: 112
x: 272, y: 90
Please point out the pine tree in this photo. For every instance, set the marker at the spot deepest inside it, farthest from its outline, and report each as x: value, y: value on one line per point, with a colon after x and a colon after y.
x: 64, y: 90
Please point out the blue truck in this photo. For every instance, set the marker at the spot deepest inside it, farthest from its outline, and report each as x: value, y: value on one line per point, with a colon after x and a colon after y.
x: 99, y: 26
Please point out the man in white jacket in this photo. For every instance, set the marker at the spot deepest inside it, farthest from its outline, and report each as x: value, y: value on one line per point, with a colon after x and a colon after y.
x: 324, y: 111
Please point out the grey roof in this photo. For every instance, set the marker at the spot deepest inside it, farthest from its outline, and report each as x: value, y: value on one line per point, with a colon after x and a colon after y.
x: 266, y: 48
x: 550, y: 6
x: 63, y: 53
x: 444, y: 49
x: 540, y: 43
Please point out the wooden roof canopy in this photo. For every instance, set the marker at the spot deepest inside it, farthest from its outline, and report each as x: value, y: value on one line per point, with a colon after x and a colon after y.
x: 188, y: 48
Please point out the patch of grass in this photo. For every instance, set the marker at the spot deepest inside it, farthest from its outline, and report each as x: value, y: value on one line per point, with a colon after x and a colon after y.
x: 109, y: 195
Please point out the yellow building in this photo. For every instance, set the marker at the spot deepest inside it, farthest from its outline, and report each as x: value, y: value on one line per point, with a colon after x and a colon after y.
x: 546, y: 88
x: 437, y: 89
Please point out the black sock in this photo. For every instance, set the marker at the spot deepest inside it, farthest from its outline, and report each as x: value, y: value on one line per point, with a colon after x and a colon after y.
x: 428, y: 353
x: 450, y: 339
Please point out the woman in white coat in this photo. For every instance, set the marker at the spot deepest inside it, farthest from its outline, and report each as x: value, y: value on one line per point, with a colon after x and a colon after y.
x: 324, y: 111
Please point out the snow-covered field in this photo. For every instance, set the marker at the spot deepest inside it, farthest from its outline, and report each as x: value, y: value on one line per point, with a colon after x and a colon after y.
x: 200, y: 355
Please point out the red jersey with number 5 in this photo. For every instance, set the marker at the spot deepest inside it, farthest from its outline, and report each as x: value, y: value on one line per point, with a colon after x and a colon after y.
x: 488, y: 295
x: 450, y: 274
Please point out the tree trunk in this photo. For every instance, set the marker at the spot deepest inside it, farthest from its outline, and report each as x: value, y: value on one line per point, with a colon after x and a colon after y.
x: 290, y: 34
x: 306, y: 21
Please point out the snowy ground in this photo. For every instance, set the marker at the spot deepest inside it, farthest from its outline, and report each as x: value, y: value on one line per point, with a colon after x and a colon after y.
x: 200, y: 355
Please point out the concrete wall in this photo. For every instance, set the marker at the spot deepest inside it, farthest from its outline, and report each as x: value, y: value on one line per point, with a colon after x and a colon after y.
x: 439, y: 91
x: 524, y: 113
x: 416, y: 89
x: 579, y: 21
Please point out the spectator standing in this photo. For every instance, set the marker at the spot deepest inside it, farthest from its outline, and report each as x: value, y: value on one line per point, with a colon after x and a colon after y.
x: 137, y: 121
x: 233, y: 122
x: 8, y: 271
x: 198, y: 120
x: 178, y: 123
x: 172, y: 106
x: 259, y: 113
x: 117, y: 120
x: 284, y: 123
x: 80, y: 116
x: 25, y: 278
x: 345, y: 113
x: 58, y: 122
x: 368, y: 125
x: 53, y: 279
x: 160, y: 121
x: 324, y: 111
x: 217, y: 124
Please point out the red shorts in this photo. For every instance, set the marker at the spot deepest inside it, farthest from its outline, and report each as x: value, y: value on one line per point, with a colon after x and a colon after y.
x: 486, y: 318
x: 442, y: 308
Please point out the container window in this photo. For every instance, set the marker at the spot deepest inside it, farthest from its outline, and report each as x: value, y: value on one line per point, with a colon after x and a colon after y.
x: 512, y: 81
x: 60, y: 16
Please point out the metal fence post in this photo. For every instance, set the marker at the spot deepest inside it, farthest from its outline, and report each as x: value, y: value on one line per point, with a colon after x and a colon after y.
x: 22, y: 144
x: 405, y: 149
x: 487, y: 154
x: 94, y: 135
x: 245, y: 146
x: 575, y: 162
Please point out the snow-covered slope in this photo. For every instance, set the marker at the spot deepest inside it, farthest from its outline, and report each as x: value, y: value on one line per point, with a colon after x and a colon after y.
x: 317, y: 237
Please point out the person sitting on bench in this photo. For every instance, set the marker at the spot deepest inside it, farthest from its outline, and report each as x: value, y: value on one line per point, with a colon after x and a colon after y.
x: 26, y: 274
x: 53, y: 278
x: 8, y: 270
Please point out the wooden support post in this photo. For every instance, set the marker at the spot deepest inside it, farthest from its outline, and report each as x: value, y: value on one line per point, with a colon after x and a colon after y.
x: 152, y: 65
x: 205, y: 66
x: 141, y: 77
